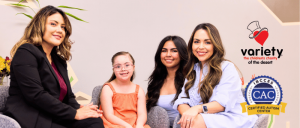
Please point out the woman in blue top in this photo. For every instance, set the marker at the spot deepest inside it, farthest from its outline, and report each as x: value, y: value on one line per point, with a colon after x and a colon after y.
x: 167, y: 79
x: 211, y: 95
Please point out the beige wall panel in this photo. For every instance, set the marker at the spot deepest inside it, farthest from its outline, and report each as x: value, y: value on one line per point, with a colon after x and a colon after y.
x: 285, y: 10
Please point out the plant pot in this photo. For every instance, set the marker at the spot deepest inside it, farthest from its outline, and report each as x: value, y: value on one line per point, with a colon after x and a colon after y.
x: 3, y: 80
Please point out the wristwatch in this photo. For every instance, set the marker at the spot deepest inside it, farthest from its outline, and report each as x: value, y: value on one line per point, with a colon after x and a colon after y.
x: 205, y: 110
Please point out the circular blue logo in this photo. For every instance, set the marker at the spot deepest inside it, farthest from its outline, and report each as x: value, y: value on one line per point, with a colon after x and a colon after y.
x: 263, y: 90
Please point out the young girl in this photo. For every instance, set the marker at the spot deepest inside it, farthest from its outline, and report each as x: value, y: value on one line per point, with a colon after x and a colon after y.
x: 211, y: 95
x: 122, y: 101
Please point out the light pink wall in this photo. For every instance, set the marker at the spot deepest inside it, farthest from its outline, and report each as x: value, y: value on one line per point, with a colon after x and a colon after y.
x: 139, y: 26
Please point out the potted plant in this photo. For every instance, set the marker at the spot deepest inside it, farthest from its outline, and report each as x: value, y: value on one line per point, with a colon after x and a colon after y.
x: 4, y: 70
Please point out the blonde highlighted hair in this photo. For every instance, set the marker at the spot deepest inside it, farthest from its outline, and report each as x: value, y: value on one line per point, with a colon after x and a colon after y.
x: 35, y: 30
x: 206, y: 86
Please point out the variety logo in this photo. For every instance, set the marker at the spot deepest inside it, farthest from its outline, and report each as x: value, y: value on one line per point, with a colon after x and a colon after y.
x: 263, y: 96
x: 257, y: 33
x: 260, y: 55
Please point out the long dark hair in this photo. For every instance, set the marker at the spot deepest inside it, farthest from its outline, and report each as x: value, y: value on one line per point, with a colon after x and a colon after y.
x: 214, y: 63
x: 156, y: 80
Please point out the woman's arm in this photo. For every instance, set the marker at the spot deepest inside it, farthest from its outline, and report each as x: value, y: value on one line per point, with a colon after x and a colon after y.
x: 88, y: 111
x: 141, y: 109
x: 212, y: 107
x: 72, y: 101
x: 182, y: 108
x: 224, y: 97
x: 227, y: 92
x: 25, y: 68
x: 182, y: 103
x: 106, y: 104
x: 189, y: 113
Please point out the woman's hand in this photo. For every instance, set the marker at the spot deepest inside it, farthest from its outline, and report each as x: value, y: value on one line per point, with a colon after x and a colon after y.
x: 88, y: 111
x: 188, y: 116
x: 95, y: 107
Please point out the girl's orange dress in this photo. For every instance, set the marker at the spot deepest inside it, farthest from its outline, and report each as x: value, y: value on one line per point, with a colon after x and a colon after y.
x: 125, y: 107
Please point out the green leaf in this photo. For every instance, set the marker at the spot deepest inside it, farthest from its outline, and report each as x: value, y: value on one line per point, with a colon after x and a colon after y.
x: 22, y: 5
x: 38, y: 3
x: 75, y: 17
x: 62, y: 6
x: 25, y: 15
x: 20, y: 1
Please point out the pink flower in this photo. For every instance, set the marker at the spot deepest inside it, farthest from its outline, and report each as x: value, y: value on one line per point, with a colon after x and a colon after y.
x: 7, y: 58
